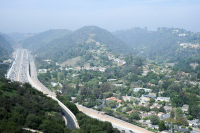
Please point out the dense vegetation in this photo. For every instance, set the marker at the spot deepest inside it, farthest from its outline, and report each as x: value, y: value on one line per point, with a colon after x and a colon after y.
x: 3, y: 70
x: 161, y: 44
x: 8, y: 38
x: 35, y: 42
x: 24, y: 107
x: 74, y: 44
x: 5, y: 49
x: 86, y: 123
x: 185, y: 65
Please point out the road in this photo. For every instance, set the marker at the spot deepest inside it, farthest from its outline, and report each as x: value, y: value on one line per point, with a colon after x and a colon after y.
x: 117, y: 123
x: 19, y: 71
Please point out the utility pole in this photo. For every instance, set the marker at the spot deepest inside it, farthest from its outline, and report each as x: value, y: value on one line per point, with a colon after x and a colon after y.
x: 171, y: 127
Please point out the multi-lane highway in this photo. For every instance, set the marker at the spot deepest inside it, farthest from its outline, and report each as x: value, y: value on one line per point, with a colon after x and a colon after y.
x: 117, y: 123
x: 19, y: 71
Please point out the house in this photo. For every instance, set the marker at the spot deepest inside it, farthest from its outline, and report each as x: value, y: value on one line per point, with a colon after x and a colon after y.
x: 152, y: 112
x: 73, y: 75
x: 129, y: 112
x: 160, y: 114
x: 146, y: 90
x: 194, y: 123
x: 167, y: 108
x: 145, y: 72
x: 102, y: 69
x: 182, y: 34
x: 126, y: 98
x: 111, y: 80
x: 67, y: 69
x: 114, y: 98
x: 185, y: 108
x: 42, y: 71
x: 78, y: 68
x: 143, y: 115
x: 153, y: 126
x: 73, y: 98
x: 167, y: 76
x: 54, y: 84
x: 149, y: 96
x: 165, y: 116
x: 167, y: 99
x: 155, y: 105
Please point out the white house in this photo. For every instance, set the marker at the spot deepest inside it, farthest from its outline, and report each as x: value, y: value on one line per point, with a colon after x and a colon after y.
x: 167, y: 99
x: 42, y: 71
x: 54, y: 84
x: 102, y: 69
x: 146, y: 90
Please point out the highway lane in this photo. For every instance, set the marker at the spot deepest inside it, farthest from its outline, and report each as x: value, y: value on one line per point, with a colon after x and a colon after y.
x: 117, y: 123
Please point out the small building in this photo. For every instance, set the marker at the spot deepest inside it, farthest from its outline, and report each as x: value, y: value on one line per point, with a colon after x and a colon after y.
x: 42, y: 70
x: 155, y: 105
x: 54, y: 84
x: 165, y: 116
x: 102, y: 69
x: 167, y: 108
x: 185, y: 108
x: 167, y: 99
x: 145, y: 89
x: 194, y: 123
x: 126, y: 98
x: 115, y: 99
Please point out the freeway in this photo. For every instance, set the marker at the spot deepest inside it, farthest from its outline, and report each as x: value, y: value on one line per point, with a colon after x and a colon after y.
x: 117, y: 123
x: 19, y: 71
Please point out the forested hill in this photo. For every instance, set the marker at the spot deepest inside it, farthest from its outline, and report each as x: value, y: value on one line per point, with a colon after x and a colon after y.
x: 5, y: 48
x: 36, y: 41
x: 163, y: 43
x: 8, y: 38
x: 80, y: 40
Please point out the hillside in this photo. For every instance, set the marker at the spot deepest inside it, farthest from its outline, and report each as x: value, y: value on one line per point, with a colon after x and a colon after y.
x: 5, y: 48
x: 24, y: 107
x: 19, y: 36
x: 36, y: 41
x: 8, y: 38
x: 161, y: 44
x: 80, y: 40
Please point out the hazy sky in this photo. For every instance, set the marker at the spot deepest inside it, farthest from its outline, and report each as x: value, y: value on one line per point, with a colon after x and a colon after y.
x: 41, y: 15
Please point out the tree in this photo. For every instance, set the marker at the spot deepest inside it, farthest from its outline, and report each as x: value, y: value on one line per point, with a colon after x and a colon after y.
x: 134, y: 116
x: 172, y: 114
x: 108, y: 110
x: 161, y: 125
x: 178, y: 112
x: 112, y: 103
x: 105, y: 87
x: 154, y: 119
x: 97, y: 92
x: 85, y: 91
x: 198, y: 74
x: 162, y: 110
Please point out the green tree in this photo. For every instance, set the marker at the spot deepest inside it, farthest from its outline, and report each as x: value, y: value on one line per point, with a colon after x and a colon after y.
x: 112, y: 103
x: 161, y: 125
x: 154, y: 119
